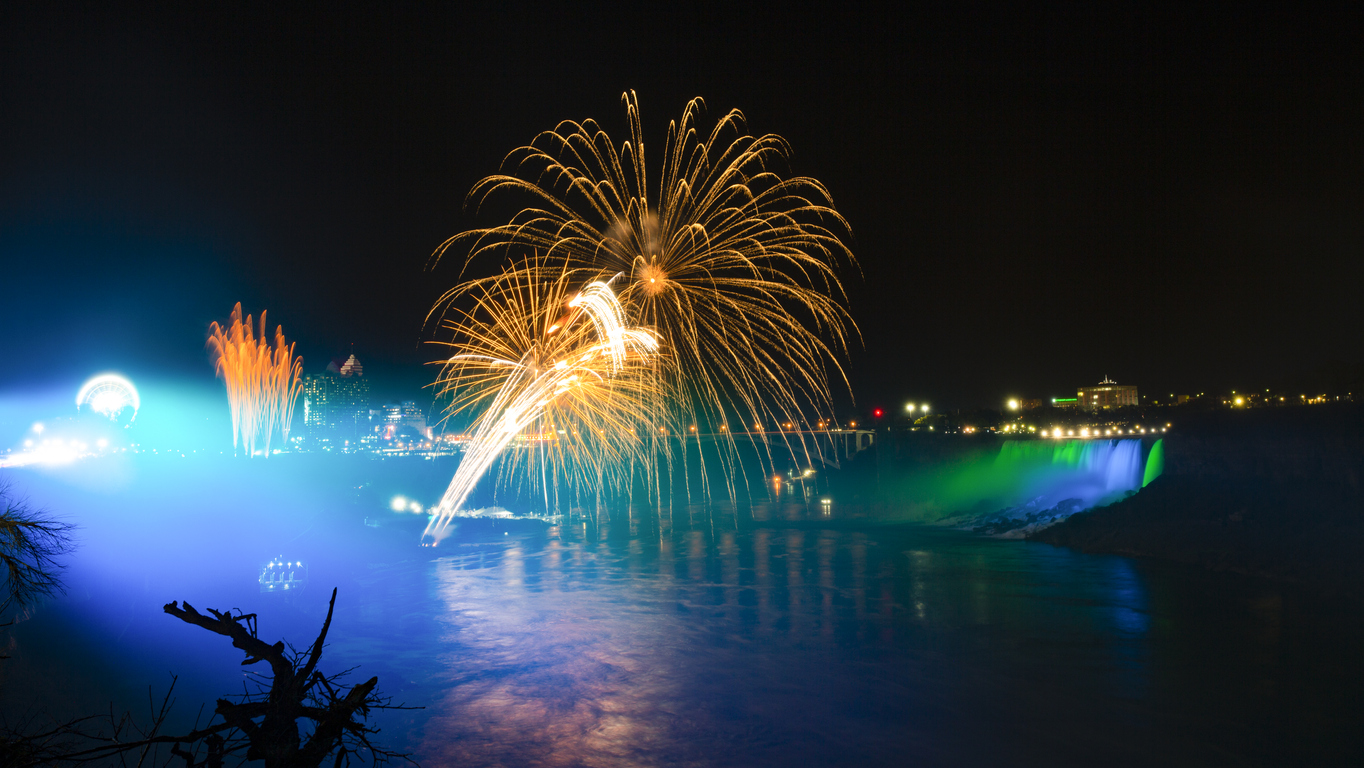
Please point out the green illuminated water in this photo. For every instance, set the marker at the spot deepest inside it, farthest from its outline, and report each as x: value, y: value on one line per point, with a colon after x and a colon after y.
x: 1037, y: 474
x: 1155, y: 463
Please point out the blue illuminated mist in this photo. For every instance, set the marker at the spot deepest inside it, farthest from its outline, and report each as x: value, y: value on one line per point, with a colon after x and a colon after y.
x: 1037, y: 475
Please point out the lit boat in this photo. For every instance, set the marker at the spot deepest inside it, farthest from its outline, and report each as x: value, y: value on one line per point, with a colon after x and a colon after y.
x: 280, y: 575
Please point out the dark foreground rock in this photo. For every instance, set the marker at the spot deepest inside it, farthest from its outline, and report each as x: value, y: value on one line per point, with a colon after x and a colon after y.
x: 1287, y: 531
x: 1276, y: 495
x: 1018, y: 522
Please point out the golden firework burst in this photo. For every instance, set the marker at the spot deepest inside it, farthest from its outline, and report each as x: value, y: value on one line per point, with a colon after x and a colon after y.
x: 549, y: 370
x: 735, y: 267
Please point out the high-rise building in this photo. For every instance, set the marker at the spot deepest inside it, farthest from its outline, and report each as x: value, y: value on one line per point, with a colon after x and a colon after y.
x: 1107, y: 394
x: 336, y: 401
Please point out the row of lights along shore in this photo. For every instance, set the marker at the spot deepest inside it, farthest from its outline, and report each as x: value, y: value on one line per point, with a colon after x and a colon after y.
x: 1087, y: 432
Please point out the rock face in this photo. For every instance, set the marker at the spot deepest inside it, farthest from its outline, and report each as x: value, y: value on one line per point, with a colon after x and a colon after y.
x: 1274, y: 492
x: 1023, y: 521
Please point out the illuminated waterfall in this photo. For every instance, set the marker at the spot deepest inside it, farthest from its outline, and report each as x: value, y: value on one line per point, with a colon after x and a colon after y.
x: 1033, y: 480
x: 1094, y: 472
x: 1155, y: 463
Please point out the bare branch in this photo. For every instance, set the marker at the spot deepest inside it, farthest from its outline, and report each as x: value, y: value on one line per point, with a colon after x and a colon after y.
x: 260, y: 725
x: 315, y: 654
x: 30, y: 542
x: 230, y: 626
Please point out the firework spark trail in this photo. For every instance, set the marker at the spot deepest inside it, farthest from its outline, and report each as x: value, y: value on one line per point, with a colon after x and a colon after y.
x: 734, y: 266
x: 591, y: 440
x: 530, y: 389
x: 262, y: 382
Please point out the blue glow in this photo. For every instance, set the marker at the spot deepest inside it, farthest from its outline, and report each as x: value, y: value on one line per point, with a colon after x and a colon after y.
x: 1035, y: 475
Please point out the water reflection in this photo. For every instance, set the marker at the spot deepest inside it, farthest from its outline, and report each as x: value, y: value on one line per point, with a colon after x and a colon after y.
x: 770, y: 636
x: 777, y: 638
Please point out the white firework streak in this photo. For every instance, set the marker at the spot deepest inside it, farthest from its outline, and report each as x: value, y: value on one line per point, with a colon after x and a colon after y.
x: 523, y: 397
x: 601, y: 306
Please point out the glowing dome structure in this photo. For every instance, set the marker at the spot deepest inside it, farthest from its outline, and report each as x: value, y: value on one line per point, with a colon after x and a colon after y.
x: 108, y: 394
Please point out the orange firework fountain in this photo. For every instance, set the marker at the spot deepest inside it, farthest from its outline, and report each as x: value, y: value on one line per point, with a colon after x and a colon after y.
x: 262, y: 382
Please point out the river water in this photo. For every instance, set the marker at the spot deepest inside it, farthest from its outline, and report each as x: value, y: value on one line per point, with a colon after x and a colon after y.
x: 771, y: 636
x: 714, y: 639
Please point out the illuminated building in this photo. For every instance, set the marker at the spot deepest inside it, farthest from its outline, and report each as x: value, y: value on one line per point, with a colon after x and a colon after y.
x: 406, y: 414
x: 1107, y: 394
x: 405, y: 417
x: 336, y: 401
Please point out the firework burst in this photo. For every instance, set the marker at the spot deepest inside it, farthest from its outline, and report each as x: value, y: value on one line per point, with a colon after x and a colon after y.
x: 519, y: 332
x: 263, y: 382
x: 556, y: 372
x: 735, y: 267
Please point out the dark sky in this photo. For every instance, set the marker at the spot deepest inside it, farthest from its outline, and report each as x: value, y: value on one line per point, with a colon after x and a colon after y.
x: 1170, y: 196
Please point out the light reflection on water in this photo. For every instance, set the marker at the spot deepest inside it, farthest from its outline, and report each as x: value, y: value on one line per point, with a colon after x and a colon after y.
x: 713, y: 641
x: 688, y: 638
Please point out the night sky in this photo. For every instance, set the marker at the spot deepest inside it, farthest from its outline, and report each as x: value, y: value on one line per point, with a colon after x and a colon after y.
x: 1039, y: 198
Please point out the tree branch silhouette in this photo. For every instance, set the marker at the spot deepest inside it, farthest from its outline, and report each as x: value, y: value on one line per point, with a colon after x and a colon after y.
x: 262, y: 724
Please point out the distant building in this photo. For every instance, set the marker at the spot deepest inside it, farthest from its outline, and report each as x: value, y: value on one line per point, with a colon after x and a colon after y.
x: 1106, y: 394
x: 336, y: 401
x: 405, y: 417
x: 1065, y: 402
x: 349, y: 367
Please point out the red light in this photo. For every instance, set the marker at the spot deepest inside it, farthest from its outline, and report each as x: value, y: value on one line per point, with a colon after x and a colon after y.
x: 877, y: 413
